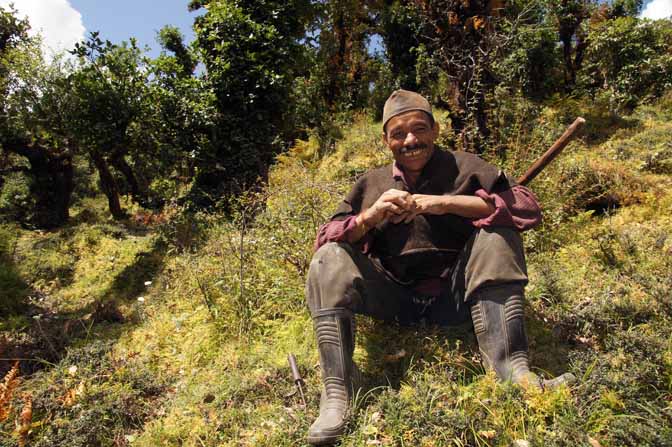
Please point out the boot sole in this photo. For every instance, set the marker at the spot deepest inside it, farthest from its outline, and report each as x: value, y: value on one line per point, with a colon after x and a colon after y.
x: 322, y: 440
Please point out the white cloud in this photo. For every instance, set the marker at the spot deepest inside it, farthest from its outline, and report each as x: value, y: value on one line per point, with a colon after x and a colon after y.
x: 56, y: 20
x: 658, y: 9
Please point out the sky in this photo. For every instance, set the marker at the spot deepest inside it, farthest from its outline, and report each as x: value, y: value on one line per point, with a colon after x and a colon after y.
x: 62, y: 23
x: 657, y: 9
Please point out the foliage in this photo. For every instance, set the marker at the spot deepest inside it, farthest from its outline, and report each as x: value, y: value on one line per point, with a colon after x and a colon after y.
x: 630, y: 60
x: 30, y: 148
x: 400, y: 26
x: 571, y: 19
x: 249, y: 50
x: 94, y: 398
x: 531, y: 66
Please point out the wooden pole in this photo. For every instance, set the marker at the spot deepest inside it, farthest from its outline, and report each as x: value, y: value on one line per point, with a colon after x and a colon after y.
x: 553, y: 152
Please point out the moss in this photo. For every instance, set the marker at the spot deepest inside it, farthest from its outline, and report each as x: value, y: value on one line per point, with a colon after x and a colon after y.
x: 201, y: 360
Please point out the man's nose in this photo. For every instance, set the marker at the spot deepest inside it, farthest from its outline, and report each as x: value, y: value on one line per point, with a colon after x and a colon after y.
x: 410, y: 139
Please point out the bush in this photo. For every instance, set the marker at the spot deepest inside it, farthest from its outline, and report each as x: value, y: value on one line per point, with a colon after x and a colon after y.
x: 13, y: 288
x: 631, y: 59
x: 16, y: 200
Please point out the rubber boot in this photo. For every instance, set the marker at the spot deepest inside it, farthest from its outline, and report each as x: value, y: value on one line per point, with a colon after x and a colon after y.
x: 335, y: 340
x: 500, y: 331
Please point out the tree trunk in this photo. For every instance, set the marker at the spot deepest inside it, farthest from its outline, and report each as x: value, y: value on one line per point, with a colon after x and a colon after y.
x: 570, y: 74
x: 53, y: 173
x: 123, y: 167
x: 109, y: 186
x: 62, y: 172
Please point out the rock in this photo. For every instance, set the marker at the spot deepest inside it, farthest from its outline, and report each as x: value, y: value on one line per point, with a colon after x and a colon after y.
x: 520, y: 443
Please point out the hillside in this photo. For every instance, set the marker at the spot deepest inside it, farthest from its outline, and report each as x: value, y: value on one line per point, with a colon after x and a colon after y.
x: 174, y: 329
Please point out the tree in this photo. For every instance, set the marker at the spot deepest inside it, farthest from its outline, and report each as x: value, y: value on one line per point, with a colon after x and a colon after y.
x: 183, y: 112
x: 344, y: 26
x: 571, y: 17
x: 400, y: 27
x: 531, y: 62
x: 630, y: 59
x: 460, y: 37
x: 106, y: 99
x: 31, y: 148
x: 251, y: 50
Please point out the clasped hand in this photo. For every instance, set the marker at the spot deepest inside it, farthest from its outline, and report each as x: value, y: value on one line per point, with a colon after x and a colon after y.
x: 402, y: 206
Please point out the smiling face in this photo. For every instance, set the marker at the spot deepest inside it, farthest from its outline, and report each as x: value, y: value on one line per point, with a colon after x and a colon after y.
x: 410, y: 136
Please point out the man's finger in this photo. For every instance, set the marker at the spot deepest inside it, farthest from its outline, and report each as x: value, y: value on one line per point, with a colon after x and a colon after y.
x: 410, y: 217
x: 401, y: 202
x: 391, y: 207
x: 398, y: 218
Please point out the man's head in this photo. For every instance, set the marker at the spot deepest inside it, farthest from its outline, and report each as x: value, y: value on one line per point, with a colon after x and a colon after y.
x: 409, y: 129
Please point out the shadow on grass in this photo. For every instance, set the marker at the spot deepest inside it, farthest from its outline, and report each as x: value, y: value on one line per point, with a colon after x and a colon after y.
x: 549, y: 347
x: 45, y: 337
x: 130, y: 282
x: 601, y: 126
x: 14, y: 291
x: 393, y: 351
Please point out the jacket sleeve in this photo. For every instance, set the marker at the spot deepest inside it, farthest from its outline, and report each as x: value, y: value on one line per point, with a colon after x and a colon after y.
x: 342, y: 223
x: 334, y: 231
x: 516, y: 207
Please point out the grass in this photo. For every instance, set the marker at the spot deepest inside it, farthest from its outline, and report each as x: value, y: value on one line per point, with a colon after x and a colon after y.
x: 200, y: 360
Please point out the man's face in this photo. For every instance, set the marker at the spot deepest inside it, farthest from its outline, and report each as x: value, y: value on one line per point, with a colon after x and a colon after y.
x: 410, y: 136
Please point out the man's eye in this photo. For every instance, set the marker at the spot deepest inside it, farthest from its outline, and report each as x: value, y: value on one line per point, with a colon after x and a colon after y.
x: 398, y: 135
x: 419, y: 130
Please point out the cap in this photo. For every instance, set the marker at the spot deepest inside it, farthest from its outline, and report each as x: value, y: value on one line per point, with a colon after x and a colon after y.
x: 401, y: 101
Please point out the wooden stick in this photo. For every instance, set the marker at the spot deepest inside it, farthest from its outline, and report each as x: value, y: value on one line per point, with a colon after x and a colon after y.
x: 553, y: 152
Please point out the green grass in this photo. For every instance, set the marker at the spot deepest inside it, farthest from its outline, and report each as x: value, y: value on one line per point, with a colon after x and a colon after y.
x: 201, y: 359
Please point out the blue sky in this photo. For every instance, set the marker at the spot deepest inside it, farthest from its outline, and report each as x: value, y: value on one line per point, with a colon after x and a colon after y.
x: 119, y: 20
x: 62, y: 23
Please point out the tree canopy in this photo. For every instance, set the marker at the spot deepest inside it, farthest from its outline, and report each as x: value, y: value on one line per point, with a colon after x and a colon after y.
x: 202, y: 122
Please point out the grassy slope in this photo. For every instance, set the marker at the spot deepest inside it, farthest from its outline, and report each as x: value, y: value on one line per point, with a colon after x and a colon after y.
x: 202, y: 360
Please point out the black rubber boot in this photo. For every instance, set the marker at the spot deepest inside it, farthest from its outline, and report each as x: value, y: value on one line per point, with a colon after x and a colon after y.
x: 500, y: 331
x: 335, y: 340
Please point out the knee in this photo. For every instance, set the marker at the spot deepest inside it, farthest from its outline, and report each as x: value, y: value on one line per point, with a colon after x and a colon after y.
x: 327, y: 257
x: 331, y: 275
x: 498, y: 237
x: 496, y: 258
x: 498, y: 244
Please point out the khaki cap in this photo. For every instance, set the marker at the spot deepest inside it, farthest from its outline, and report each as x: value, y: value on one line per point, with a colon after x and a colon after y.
x: 402, y: 101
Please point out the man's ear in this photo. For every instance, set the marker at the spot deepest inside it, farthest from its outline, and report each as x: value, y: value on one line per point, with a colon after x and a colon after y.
x: 384, y: 135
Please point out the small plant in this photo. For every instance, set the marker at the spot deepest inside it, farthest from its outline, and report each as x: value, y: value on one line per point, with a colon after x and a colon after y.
x: 7, y: 389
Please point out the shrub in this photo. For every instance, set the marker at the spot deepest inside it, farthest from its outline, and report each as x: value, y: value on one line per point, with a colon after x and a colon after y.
x: 16, y: 200
x: 631, y: 59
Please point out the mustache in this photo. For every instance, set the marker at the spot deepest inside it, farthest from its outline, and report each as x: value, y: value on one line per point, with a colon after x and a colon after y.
x: 412, y: 147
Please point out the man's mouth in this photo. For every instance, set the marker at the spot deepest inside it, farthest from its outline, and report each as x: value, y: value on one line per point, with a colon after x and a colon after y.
x: 412, y: 151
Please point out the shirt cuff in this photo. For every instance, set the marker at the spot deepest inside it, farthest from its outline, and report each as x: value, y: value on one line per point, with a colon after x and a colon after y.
x: 516, y: 207
x: 335, y: 231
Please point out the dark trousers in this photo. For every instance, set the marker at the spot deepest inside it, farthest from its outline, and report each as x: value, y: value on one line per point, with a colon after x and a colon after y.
x: 491, y: 262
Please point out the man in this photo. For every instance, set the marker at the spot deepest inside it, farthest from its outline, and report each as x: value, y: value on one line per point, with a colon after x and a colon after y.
x: 434, y: 237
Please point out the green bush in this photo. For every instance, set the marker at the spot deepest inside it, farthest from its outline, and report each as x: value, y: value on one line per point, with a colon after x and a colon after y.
x: 13, y: 288
x: 630, y: 59
x: 16, y: 201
